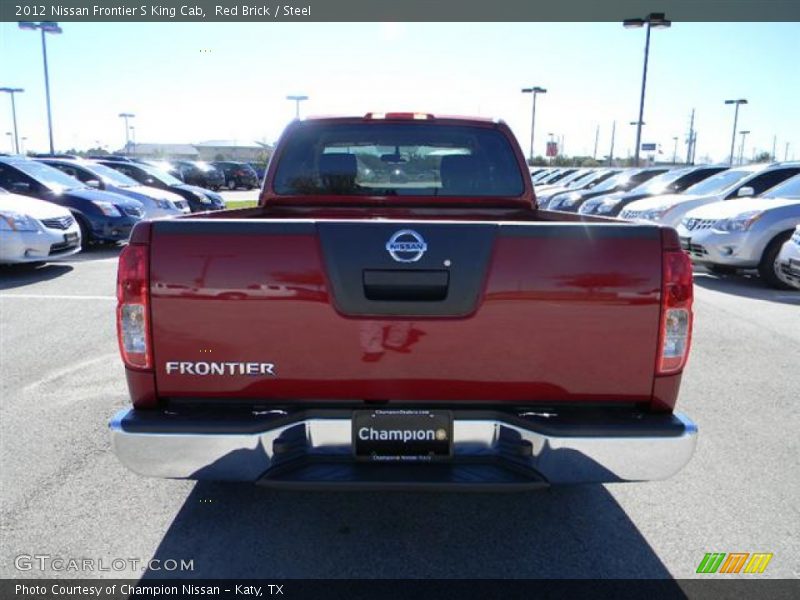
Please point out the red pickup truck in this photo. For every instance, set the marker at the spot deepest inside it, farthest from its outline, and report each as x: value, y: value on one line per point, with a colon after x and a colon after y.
x: 397, y: 312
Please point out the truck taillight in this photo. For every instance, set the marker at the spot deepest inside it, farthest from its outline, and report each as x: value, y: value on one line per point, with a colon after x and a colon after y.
x: 133, y: 306
x: 675, y: 334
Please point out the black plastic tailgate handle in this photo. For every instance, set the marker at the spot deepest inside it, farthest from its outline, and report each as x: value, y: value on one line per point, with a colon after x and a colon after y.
x: 406, y: 285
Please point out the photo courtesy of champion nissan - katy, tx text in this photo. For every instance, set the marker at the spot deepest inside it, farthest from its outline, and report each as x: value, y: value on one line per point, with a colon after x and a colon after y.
x: 407, y: 250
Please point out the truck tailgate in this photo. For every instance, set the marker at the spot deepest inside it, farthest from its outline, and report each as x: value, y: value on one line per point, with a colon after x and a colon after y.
x: 523, y: 312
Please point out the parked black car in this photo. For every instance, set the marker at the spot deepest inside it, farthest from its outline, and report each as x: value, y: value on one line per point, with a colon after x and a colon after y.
x: 102, y: 216
x: 237, y: 174
x: 571, y: 201
x: 200, y: 200
x: 197, y: 172
x: 671, y: 182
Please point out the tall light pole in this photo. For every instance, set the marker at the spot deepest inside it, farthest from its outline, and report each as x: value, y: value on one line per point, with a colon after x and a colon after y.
x: 535, y: 90
x: 10, y: 140
x: 613, y: 136
x: 735, y: 122
x: 127, y: 116
x: 133, y: 136
x: 22, y: 149
x: 45, y: 27
x: 11, y: 92
x: 675, y: 151
x: 550, y: 141
x: 297, y: 100
x: 741, y: 148
x: 657, y: 21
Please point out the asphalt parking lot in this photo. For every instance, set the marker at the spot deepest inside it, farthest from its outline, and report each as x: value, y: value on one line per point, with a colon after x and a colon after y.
x: 65, y: 495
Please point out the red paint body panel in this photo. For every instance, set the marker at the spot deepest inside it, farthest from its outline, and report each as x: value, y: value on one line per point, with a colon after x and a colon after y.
x: 564, y: 312
x: 558, y: 320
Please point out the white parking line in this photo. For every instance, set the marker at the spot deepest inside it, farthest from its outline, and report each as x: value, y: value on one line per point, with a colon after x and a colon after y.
x: 54, y: 297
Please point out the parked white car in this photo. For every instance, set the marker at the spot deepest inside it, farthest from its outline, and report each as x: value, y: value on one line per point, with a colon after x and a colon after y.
x: 737, y: 182
x: 33, y: 230
x: 787, y: 264
x: 742, y: 234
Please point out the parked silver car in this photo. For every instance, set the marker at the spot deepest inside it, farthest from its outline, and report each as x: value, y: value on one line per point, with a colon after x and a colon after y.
x: 744, y: 233
x: 34, y: 231
x: 737, y: 182
x: 787, y: 264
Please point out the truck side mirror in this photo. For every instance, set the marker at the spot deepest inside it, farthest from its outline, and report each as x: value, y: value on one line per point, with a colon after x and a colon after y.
x: 745, y: 192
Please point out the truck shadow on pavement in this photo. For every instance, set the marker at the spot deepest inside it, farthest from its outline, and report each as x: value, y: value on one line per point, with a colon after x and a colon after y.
x: 246, y: 531
x: 746, y: 287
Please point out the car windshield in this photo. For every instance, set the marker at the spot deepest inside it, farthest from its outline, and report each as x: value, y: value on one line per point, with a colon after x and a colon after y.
x: 111, y: 176
x: 661, y: 184
x: 788, y: 189
x: 612, y: 182
x: 159, y: 174
x: 718, y: 183
x: 48, y: 176
x: 398, y: 159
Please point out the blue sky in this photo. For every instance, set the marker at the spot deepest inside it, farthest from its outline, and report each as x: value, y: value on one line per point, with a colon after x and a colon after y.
x: 194, y: 82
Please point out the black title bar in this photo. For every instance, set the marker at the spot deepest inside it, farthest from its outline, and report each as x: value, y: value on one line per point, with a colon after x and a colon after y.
x: 394, y: 10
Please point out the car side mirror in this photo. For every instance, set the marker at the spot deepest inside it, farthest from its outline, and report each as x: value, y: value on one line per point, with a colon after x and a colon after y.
x: 745, y: 192
x: 21, y: 187
x: 94, y: 183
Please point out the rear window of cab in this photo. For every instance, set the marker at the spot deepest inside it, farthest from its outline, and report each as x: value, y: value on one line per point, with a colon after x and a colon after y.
x: 397, y: 159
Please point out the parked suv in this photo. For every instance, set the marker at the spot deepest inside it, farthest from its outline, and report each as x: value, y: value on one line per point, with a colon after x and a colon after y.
x: 197, y: 172
x: 102, y: 216
x: 744, y: 233
x: 237, y: 174
x: 788, y: 261
x: 737, y: 182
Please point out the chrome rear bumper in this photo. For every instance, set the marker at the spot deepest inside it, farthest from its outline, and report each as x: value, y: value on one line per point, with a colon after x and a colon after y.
x: 490, y: 448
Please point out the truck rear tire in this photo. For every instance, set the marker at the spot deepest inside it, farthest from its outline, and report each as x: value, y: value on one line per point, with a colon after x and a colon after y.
x: 766, y: 268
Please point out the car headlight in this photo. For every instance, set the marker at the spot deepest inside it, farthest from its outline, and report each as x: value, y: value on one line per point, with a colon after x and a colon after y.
x: 14, y: 221
x: 654, y: 214
x: 164, y: 204
x: 568, y: 200
x: 107, y: 208
x: 606, y: 207
x: 741, y: 222
x: 202, y: 198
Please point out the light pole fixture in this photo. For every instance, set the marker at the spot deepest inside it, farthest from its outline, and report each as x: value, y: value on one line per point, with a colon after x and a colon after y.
x: 45, y: 27
x: 535, y: 91
x: 738, y: 102
x: 133, y: 137
x: 297, y: 100
x: 11, y: 92
x: 657, y: 21
x: 741, y: 148
x: 127, y: 116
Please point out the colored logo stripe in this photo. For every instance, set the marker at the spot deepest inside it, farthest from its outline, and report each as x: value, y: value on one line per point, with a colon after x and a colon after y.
x: 758, y: 562
x: 734, y: 562
x: 711, y: 562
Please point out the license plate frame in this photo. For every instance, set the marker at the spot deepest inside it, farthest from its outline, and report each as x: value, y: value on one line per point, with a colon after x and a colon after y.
x: 402, y: 435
